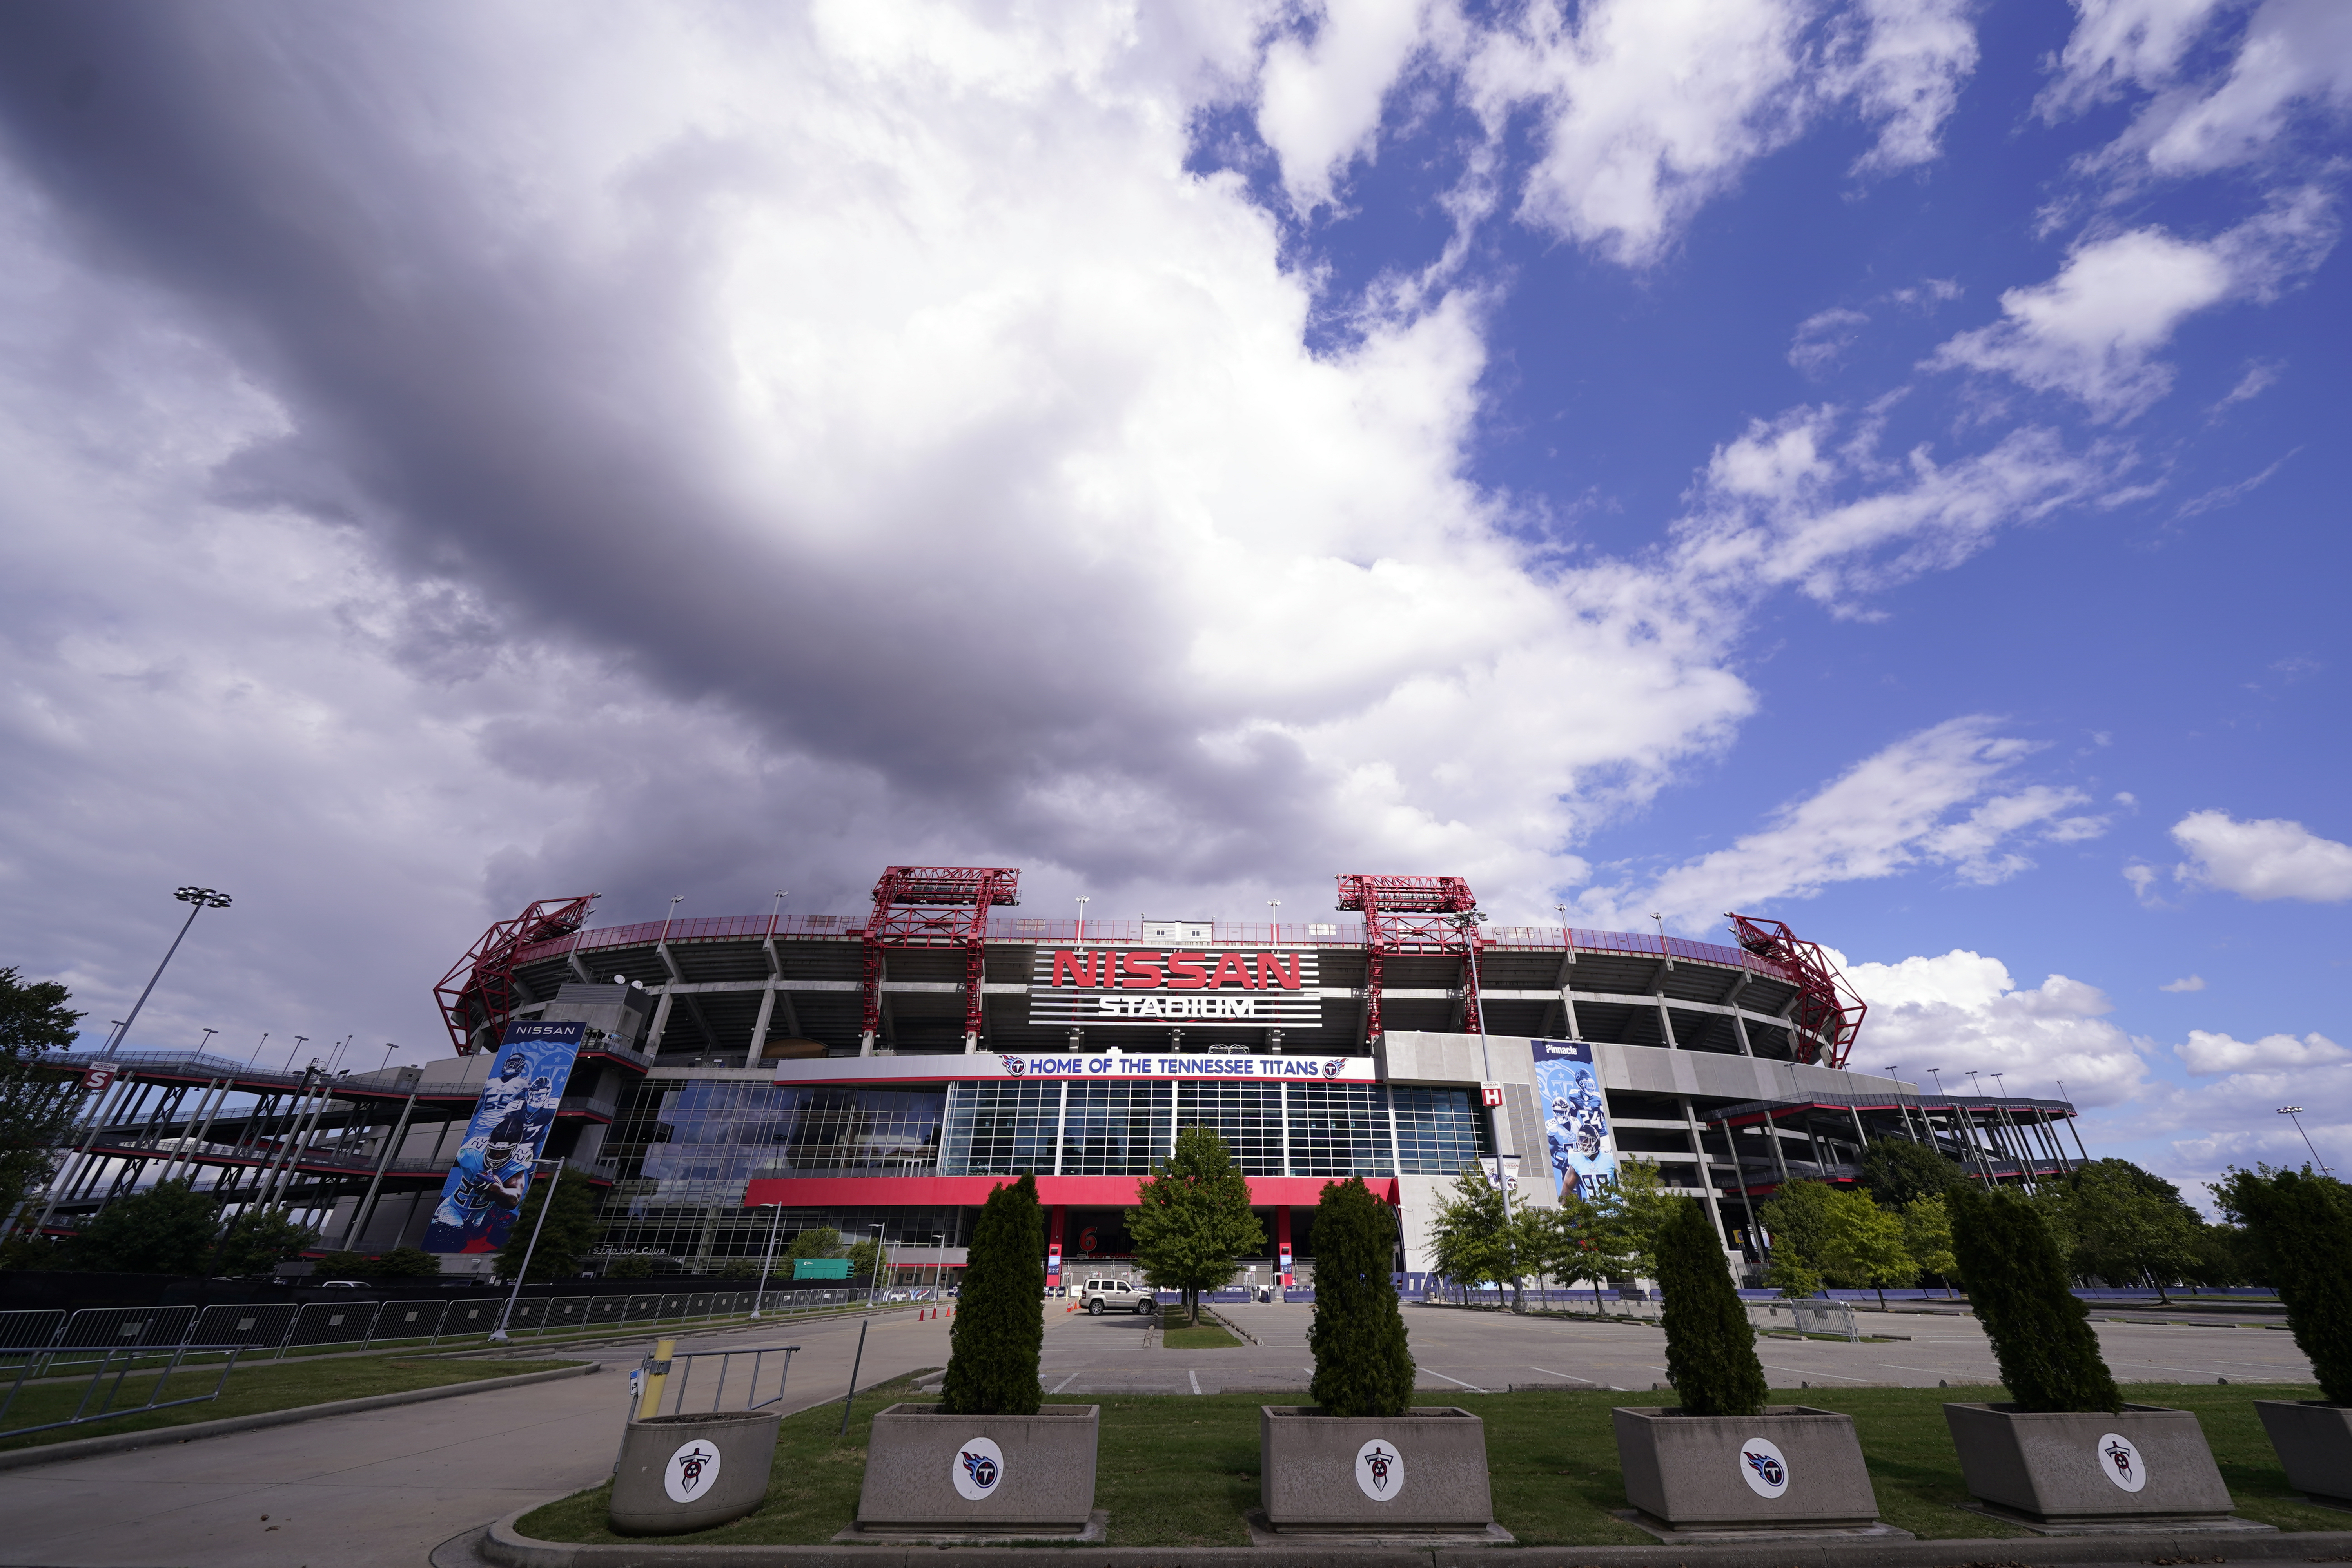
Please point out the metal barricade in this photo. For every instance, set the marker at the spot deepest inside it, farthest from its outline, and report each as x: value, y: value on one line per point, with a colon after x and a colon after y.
x: 30, y: 1330
x: 641, y: 1308
x: 406, y: 1320
x: 467, y: 1318
x: 672, y: 1306
x: 700, y: 1306
x: 114, y: 1366
x: 608, y: 1310
x: 251, y: 1325
x: 566, y: 1312
x: 333, y: 1324
x: 681, y: 1366
x: 1811, y: 1316
x: 116, y: 1328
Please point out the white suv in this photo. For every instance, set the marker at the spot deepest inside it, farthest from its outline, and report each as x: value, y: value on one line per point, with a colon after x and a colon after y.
x: 1116, y: 1295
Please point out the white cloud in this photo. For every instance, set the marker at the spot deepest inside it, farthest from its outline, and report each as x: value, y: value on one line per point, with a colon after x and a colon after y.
x: 1962, y: 1011
x: 1651, y: 107
x: 2264, y: 859
x: 1319, y: 100
x: 2186, y: 983
x: 1823, y: 339
x: 2093, y: 331
x: 2295, y: 53
x: 2120, y: 43
x: 2206, y: 1053
x: 1926, y: 800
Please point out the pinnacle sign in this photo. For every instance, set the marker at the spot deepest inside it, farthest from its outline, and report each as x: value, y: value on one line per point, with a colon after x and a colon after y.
x: 1248, y: 988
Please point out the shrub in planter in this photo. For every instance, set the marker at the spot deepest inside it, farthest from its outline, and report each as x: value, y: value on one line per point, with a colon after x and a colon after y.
x: 1723, y: 1459
x: 2066, y: 1451
x: 2301, y: 1228
x: 1364, y: 1459
x: 991, y: 1457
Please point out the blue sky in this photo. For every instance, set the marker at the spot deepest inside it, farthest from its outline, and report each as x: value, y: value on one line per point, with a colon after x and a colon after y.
x: 1875, y: 464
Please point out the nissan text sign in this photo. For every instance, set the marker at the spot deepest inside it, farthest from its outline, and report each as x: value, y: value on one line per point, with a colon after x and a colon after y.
x: 1251, y: 988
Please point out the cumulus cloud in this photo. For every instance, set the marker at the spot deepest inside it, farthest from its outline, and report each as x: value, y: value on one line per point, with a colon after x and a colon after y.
x: 2207, y: 1053
x: 1320, y: 97
x: 2093, y: 331
x: 1961, y: 1010
x: 2265, y: 858
x: 2293, y: 58
x: 2186, y: 983
x: 1927, y: 800
x: 1823, y: 338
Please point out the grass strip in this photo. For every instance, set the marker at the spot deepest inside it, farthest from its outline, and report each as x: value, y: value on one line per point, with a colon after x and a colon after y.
x: 1179, y: 1470
x: 1207, y: 1337
x: 279, y: 1385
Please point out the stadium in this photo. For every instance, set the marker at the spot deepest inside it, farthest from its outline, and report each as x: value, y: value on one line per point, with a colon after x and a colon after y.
x: 740, y: 1079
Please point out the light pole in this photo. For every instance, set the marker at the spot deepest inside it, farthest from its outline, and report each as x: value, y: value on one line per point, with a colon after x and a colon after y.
x: 671, y: 916
x: 774, y: 1223
x: 546, y: 1202
x: 1469, y: 920
x: 388, y: 1048
x: 938, y: 1263
x: 256, y: 1050
x: 1080, y: 940
x: 198, y: 900
x: 202, y: 1044
x: 1274, y: 919
x: 776, y: 909
x: 874, y: 1278
x: 2294, y: 1113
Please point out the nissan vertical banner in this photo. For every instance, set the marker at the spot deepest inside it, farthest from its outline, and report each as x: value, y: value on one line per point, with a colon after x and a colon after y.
x: 1576, y: 1119
x: 492, y: 1171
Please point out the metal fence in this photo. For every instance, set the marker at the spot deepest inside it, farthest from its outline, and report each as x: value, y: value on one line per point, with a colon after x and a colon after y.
x: 113, y: 1368
x: 1806, y: 1316
x: 36, y: 1343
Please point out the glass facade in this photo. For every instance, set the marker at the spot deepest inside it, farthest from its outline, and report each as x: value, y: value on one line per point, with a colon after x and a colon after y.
x: 686, y: 1148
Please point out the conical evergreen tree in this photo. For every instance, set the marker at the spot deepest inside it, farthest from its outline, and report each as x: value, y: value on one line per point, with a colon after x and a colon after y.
x: 1362, y: 1364
x: 2301, y: 1223
x: 1000, y: 1323
x: 1710, y: 1348
x: 2016, y: 1280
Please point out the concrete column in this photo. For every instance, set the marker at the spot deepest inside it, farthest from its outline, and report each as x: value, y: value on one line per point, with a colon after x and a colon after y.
x: 1740, y: 1027
x: 660, y: 1023
x: 1706, y: 1174
x: 760, y: 1029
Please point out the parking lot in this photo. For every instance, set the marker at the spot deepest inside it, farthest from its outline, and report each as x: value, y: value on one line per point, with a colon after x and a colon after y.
x: 1492, y: 1351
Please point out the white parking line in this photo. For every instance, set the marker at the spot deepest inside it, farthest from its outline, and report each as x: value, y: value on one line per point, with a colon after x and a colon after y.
x: 1064, y: 1384
x: 1569, y: 1375
x: 1455, y: 1381
x: 1196, y: 1380
x: 1813, y: 1371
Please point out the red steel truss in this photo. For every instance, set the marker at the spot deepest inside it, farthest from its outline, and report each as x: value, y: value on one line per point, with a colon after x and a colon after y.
x: 1826, y: 1005
x: 488, y: 968
x: 935, y: 906
x: 1410, y: 915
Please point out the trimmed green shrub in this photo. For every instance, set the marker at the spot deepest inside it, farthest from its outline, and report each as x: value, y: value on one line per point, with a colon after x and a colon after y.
x: 2301, y: 1228
x: 1000, y: 1322
x: 1710, y: 1349
x: 630, y: 1265
x: 167, y: 1229
x: 2042, y: 1336
x: 1362, y: 1364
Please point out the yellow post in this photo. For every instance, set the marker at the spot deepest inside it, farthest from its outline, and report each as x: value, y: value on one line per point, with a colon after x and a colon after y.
x: 649, y: 1401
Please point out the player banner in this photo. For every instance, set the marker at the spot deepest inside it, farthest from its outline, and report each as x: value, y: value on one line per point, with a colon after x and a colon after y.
x: 1576, y: 1119
x: 492, y: 1171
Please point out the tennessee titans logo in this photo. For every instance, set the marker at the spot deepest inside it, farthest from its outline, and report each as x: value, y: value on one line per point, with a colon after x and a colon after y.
x: 1766, y: 1465
x: 691, y: 1466
x: 2121, y: 1458
x: 1377, y: 1462
x: 981, y: 1468
x: 1331, y: 1067
x: 1015, y: 1065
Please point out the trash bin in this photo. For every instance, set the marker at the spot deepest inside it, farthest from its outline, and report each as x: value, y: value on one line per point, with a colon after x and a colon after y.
x: 689, y: 1472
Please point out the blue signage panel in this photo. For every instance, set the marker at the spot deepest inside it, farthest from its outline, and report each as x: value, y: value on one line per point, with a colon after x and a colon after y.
x: 492, y: 1171
x: 1576, y: 1117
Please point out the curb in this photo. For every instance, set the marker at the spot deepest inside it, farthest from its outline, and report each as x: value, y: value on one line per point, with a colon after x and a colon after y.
x: 119, y: 1442
x: 504, y: 1548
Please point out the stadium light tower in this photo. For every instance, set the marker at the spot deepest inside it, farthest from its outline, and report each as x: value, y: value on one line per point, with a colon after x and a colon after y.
x: 1082, y: 920
x: 2294, y: 1113
x: 198, y: 900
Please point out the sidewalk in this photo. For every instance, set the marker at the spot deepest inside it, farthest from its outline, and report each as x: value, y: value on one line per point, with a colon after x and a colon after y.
x: 382, y: 1489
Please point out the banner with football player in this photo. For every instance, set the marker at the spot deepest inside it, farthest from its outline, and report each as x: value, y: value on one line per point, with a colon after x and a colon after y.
x: 492, y: 1171
x: 1576, y: 1119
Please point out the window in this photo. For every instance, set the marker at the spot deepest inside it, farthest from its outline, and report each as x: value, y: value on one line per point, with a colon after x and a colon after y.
x: 1000, y: 1129
x: 1339, y: 1129
x: 1247, y: 1116
x: 1438, y: 1130
x: 1115, y: 1129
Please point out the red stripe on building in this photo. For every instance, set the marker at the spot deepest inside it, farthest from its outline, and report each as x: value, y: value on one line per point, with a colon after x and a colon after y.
x: 970, y: 1191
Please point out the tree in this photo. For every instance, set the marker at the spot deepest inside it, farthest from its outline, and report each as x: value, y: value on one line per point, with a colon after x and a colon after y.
x: 407, y: 1263
x: 1927, y: 1237
x: 1867, y: 1245
x: 1363, y: 1365
x: 1710, y: 1348
x: 563, y: 1240
x: 868, y: 1257
x: 1583, y: 1238
x: 817, y: 1241
x: 167, y: 1229
x: 741, y: 1268
x: 1791, y: 1275
x: 1191, y: 1218
x: 1800, y: 1218
x: 630, y: 1265
x: 2125, y: 1223
x: 260, y: 1240
x: 999, y: 1324
x: 345, y: 1266
x: 1643, y: 1208
x: 1469, y: 1241
x: 1897, y: 1172
x: 2017, y: 1283
x: 35, y: 1105
x: 2300, y: 1225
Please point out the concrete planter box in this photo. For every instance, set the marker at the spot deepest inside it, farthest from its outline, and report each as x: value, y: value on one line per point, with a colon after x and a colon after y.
x: 1792, y: 1467
x: 689, y: 1472
x: 2144, y: 1466
x: 934, y: 1474
x: 1424, y: 1471
x: 2313, y: 1439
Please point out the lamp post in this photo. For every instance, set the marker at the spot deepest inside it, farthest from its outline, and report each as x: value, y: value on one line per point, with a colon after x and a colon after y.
x: 1080, y: 939
x: 198, y: 900
x: 774, y: 1223
x: 1274, y: 919
x: 671, y: 916
x: 938, y: 1263
x: 1469, y: 922
x: 202, y: 1044
x: 546, y: 1202
x: 874, y: 1278
x: 2294, y: 1113
x: 776, y: 909
x: 256, y: 1050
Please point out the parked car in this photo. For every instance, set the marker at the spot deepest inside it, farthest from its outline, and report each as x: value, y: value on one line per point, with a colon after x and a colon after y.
x: 343, y: 1284
x: 1111, y: 1295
